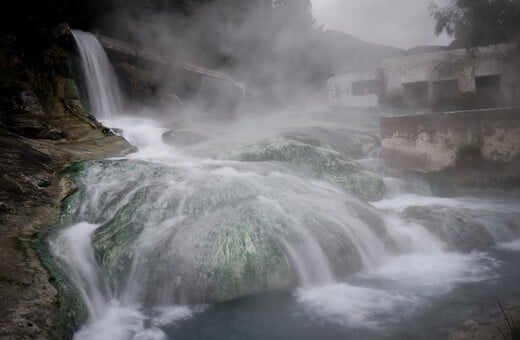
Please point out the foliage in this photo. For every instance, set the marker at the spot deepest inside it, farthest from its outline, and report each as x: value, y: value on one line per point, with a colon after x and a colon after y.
x: 478, y: 22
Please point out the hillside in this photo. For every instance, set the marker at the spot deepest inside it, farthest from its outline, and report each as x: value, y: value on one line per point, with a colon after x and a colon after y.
x: 347, y: 53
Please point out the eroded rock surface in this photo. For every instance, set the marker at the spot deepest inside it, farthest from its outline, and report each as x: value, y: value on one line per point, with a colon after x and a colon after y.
x: 43, y: 129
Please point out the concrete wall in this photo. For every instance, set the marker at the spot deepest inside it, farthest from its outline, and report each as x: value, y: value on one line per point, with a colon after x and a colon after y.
x: 430, y: 142
x: 339, y: 89
x: 461, y: 64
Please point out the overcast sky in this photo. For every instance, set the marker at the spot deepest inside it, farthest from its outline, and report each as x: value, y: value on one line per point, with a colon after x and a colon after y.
x: 399, y: 23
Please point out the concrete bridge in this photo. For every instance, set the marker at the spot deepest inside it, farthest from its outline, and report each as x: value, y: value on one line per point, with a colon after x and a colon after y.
x: 128, y: 49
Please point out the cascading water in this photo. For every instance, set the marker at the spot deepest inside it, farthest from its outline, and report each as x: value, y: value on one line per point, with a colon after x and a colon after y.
x: 104, y: 96
x: 156, y: 234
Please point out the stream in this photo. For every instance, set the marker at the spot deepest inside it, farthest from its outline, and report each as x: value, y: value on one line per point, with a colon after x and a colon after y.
x: 284, y: 226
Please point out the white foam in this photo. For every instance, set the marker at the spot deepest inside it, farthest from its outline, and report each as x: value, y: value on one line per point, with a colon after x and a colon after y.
x: 434, y: 274
x: 72, y: 246
x: 348, y: 305
x: 386, y: 295
x: 511, y: 246
x: 400, y: 203
x: 127, y: 322
x: 118, y: 323
x: 167, y: 315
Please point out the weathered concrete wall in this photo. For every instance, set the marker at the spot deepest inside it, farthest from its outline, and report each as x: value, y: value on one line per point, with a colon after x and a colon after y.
x: 431, y: 142
x: 461, y: 64
x: 339, y: 89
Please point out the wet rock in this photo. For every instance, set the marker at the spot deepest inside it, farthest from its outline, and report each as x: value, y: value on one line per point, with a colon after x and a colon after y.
x: 40, y: 135
x: 183, y: 137
x: 10, y: 186
x: 235, y: 257
x: 117, y: 131
x: 461, y: 229
x: 226, y: 242
x: 27, y: 327
x: 321, y: 162
x: 70, y: 90
x: 22, y: 110
x: 352, y: 144
x: 365, y: 185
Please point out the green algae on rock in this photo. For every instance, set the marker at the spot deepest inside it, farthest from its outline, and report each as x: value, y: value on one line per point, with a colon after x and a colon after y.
x: 318, y: 161
x: 214, y: 233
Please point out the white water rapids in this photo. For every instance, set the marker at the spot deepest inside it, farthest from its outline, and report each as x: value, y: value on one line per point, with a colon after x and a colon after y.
x: 354, y: 264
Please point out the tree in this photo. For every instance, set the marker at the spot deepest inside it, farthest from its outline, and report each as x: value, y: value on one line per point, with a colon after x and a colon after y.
x: 298, y: 12
x: 478, y: 22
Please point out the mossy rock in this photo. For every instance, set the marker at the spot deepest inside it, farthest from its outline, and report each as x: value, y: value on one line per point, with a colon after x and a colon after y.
x: 320, y: 159
x: 351, y: 144
x: 179, y: 236
x: 364, y: 184
x: 321, y: 162
x: 246, y: 260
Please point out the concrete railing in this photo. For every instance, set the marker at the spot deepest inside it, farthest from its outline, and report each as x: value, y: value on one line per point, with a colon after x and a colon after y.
x: 128, y: 49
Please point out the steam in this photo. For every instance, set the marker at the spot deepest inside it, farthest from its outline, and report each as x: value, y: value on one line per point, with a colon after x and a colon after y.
x: 274, y: 48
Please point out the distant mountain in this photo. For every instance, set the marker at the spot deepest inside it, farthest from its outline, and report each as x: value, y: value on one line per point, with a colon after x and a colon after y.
x: 426, y: 49
x: 347, y: 53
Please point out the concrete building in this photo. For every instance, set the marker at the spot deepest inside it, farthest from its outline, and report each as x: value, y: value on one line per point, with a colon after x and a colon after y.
x: 489, y: 73
x: 484, y: 77
x: 354, y: 89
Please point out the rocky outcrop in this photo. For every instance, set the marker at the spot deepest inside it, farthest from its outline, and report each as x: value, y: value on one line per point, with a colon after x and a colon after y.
x: 461, y: 229
x: 349, y: 143
x: 319, y: 161
x: 43, y: 129
x: 212, y: 233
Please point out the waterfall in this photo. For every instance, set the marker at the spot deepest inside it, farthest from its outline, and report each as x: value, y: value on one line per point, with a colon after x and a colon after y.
x: 104, y: 94
x: 156, y: 235
x: 73, y: 248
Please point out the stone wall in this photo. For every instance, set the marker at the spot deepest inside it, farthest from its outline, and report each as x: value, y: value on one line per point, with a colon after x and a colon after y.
x: 432, y: 142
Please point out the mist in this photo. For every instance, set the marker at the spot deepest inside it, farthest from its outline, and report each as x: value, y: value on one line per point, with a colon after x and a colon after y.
x: 260, y: 169
x: 274, y: 49
x: 403, y: 24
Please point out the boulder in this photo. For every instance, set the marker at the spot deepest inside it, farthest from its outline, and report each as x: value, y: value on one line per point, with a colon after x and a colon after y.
x: 320, y: 162
x: 461, y: 229
x: 351, y: 144
x: 183, y: 137
x: 174, y: 235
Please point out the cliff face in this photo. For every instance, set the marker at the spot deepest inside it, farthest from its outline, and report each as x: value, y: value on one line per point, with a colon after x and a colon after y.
x: 43, y: 129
